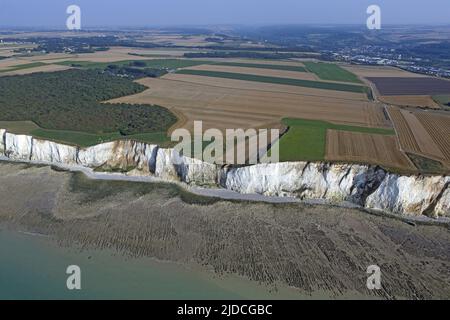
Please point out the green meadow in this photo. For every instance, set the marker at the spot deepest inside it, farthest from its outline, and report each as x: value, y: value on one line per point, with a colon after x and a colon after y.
x: 331, y: 72
x: 306, y: 139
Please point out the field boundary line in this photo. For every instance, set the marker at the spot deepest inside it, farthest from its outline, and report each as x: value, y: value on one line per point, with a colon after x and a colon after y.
x: 397, y: 138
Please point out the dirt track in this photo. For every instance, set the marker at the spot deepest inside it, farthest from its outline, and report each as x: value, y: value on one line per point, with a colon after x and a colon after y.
x: 321, y: 250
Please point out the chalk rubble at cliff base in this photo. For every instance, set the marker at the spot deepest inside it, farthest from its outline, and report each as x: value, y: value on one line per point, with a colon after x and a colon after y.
x: 368, y: 186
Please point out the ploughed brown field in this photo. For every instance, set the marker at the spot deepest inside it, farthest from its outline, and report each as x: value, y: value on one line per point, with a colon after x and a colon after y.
x: 366, y: 148
x: 245, y: 104
x: 395, y: 86
x: 422, y: 133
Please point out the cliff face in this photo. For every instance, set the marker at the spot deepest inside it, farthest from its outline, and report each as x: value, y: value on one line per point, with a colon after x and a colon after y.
x: 305, y: 180
x: 2, y: 141
x: 368, y: 186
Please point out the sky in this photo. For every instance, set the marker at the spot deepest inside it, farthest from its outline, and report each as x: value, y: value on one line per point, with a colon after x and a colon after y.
x: 52, y: 13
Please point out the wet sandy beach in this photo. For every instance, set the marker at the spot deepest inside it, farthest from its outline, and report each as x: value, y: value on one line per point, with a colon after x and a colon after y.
x: 320, y: 250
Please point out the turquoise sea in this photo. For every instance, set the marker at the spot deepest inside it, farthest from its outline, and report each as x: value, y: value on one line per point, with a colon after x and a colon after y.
x: 34, y: 267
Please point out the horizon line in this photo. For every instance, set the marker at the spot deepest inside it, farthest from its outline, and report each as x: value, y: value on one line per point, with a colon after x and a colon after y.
x: 87, y: 27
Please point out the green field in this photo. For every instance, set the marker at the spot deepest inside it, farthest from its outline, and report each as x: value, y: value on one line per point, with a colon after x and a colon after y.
x: 263, y: 66
x: 306, y: 139
x: 23, y: 66
x: 426, y: 165
x: 330, y: 71
x: 155, y: 63
x: 285, y: 81
x: 78, y: 138
x: 443, y: 100
x: 19, y: 127
x: 83, y: 139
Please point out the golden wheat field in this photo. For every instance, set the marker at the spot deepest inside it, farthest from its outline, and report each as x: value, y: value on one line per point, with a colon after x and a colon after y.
x: 413, y: 101
x: 265, y: 87
x: 421, y: 133
x: 380, y: 71
x: 439, y: 129
x: 223, y: 107
x: 44, y: 68
x: 365, y: 148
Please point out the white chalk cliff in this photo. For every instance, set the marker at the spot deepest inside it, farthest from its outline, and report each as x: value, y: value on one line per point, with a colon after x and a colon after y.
x: 365, y: 185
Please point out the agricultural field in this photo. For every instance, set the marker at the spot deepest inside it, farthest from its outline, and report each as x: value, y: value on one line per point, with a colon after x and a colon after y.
x: 8, y: 63
x: 224, y: 107
x: 307, y: 139
x: 261, y: 62
x: 366, y: 148
x: 177, y: 40
x: 427, y: 165
x: 22, y: 66
x: 19, y: 127
x: 410, y: 101
x: 395, y: 86
x: 113, y: 55
x: 443, y: 100
x: 422, y: 133
x: 278, y: 80
x: 263, y: 66
x: 405, y: 134
x: 35, y: 69
x: 402, y: 88
x: 267, y: 87
x: 331, y: 72
x: 380, y: 71
x: 154, y: 63
x: 7, y: 49
x: 265, y: 72
x: 439, y: 129
x: 79, y: 138
x: 421, y: 136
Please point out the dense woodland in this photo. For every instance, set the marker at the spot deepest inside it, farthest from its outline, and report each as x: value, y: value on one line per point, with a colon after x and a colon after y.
x: 71, y: 100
